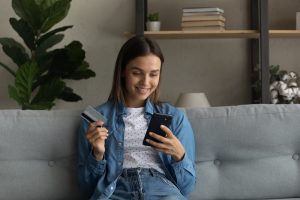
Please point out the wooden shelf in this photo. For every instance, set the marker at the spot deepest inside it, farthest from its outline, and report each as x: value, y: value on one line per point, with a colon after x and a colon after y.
x: 201, y: 34
x: 219, y: 34
x: 284, y: 33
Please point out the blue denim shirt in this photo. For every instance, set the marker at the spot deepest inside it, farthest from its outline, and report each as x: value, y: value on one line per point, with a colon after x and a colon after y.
x: 97, y: 179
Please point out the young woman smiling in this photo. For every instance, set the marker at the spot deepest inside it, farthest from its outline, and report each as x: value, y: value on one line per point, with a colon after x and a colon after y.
x: 113, y: 162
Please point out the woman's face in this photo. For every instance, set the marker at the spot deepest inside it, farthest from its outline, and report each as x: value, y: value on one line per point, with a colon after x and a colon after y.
x: 141, y: 79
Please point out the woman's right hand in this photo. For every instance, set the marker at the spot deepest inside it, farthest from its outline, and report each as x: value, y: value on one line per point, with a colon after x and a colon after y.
x: 96, y: 135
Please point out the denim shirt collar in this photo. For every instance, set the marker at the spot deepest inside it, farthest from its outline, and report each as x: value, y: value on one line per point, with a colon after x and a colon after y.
x: 149, y: 108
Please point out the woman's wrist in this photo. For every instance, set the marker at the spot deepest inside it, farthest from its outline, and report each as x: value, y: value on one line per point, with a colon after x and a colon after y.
x: 97, y: 155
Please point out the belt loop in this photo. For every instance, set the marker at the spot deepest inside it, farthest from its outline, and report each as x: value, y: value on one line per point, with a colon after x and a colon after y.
x: 151, y: 171
x: 125, y: 173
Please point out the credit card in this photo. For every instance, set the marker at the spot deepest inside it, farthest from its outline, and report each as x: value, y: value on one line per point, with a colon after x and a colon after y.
x: 91, y: 115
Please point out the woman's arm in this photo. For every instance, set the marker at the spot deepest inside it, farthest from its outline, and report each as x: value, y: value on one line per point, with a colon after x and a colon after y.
x: 179, y: 144
x: 89, y: 169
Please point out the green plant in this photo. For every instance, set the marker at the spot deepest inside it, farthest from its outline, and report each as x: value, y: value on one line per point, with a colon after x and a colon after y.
x: 41, y: 70
x: 153, y: 17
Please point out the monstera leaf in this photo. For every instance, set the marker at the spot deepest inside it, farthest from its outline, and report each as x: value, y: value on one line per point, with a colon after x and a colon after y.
x: 41, y: 15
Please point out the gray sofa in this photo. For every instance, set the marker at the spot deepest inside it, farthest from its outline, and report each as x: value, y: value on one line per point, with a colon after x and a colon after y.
x: 243, y: 152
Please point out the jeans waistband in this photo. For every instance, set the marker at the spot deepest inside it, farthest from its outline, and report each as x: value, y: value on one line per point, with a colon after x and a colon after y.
x: 127, y: 172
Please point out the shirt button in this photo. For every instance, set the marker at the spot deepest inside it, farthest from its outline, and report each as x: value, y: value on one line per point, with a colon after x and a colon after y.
x: 120, y: 143
x: 120, y: 163
x: 111, y: 187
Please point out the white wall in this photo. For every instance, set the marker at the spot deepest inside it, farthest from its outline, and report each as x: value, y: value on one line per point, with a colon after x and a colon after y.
x: 218, y: 67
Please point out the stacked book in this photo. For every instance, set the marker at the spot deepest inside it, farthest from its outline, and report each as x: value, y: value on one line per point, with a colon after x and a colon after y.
x: 202, y: 18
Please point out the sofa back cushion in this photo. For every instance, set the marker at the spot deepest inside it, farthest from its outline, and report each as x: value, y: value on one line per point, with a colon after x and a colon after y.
x: 247, y: 152
x: 38, y: 154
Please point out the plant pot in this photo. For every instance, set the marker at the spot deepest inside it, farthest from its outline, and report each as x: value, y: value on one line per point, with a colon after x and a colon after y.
x: 153, y: 26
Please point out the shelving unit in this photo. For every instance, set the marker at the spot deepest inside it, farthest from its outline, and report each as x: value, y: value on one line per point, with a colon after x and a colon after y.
x: 259, y: 36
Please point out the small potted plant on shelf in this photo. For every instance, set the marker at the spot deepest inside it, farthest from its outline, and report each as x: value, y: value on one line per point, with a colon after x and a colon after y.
x: 153, y: 23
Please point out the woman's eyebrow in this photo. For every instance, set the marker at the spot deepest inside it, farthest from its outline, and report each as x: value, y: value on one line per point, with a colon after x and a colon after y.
x: 139, y: 69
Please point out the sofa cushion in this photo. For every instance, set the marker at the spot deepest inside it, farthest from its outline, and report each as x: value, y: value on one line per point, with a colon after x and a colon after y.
x: 247, y: 152
x: 38, y: 154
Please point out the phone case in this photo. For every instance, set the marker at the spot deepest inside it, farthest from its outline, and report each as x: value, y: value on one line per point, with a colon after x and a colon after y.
x: 154, y: 126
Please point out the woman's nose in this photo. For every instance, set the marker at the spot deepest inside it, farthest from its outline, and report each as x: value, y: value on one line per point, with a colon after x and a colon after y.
x: 145, y: 79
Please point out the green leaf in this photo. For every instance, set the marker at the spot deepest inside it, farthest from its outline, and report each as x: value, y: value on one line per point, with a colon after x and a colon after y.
x: 14, y: 50
x: 12, y: 72
x: 24, y: 31
x: 274, y: 69
x: 75, y: 52
x: 82, y: 72
x: 47, y: 35
x: 47, y: 105
x: 55, y: 11
x: 30, y: 12
x: 25, y: 77
x: 49, y: 91
x: 41, y: 15
x: 67, y: 60
x: 69, y: 95
x: 48, y: 43
x: 13, y: 93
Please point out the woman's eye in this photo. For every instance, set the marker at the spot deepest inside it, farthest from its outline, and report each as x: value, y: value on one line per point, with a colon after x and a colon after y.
x: 153, y: 75
x: 136, y: 73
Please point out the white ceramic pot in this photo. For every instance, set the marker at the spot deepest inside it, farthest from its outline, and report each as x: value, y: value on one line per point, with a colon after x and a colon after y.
x: 153, y: 26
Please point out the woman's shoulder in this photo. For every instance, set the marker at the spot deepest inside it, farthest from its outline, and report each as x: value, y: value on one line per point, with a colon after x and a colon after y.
x: 167, y: 108
x: 105, y: 107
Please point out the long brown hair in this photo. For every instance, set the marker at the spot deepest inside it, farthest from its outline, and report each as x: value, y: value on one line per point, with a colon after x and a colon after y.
x: 134, y: 47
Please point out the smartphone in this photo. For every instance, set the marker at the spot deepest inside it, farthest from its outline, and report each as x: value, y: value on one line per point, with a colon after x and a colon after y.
x: 91, y: 115
x: 154, y: 126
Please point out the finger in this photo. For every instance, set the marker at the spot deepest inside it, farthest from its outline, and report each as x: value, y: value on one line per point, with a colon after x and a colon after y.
x: 97, y: 131
x: 168, y: 132
x: 165, y: 150
x: 101, y: 136
x: 158, y: 137
x: 157, y: 144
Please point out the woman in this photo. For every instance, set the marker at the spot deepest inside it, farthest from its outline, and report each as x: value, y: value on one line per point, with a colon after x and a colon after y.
x: 113, y: 162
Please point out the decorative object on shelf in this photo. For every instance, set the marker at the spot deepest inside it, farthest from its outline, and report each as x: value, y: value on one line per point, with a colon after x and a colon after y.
x: 153, y: 23
x: 202, y: 18
x: 297, y: 20
x: 189, y: 100
x: 283, y: 86
x: 39, y: 78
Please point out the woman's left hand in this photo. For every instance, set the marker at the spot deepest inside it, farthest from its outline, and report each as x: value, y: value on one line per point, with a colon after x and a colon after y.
x: 170, y: 144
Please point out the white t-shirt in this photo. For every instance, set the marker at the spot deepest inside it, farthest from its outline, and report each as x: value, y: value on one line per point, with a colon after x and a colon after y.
x: 137, y: 154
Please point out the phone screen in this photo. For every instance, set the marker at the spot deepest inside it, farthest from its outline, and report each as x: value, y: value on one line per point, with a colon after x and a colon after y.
x: 154, y: 126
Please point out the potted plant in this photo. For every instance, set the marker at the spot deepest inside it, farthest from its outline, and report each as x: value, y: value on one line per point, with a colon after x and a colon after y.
x: 153, y: 23
x: 42, y: 70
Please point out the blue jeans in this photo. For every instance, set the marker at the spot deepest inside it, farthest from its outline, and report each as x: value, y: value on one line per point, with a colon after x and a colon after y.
x: 145, y: 184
